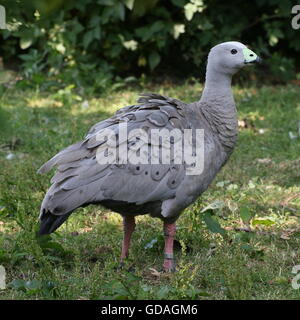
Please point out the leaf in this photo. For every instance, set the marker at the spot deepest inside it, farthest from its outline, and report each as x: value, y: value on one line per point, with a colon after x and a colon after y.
x: 263, y: 221
x: 97, y: 33
x: 194, y: 292
x: 244, y: 237
x: 232, y: 186
x: 106, y: 2
x: 217, y: 204
x: 280, y: 280
x: 60, y: 48
x: 129, y: 4
x: 221, y: 184
x: 157, y: 26
x: 17, y: 284
x: 247, y: 247
x: 121, y: 11
x: 163, y: 292
x: 252, y: 251
x: 88, y: 38
x: 33, y: 285
x: 189, y: 10
x: 178, y: 3
x: 245, y: 214
x: 154, y: 59
x: 95, y: 21
x: 130, y: 45
x: 26, y: 42
x: 212, y: 224
x: 142, y: 62
x: 178, y: 29
x: 150, y: 244
x: 47, y: 244
x: 131, y: 277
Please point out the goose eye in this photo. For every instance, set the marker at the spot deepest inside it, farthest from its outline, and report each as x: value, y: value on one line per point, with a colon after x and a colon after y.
x: 233, y: 51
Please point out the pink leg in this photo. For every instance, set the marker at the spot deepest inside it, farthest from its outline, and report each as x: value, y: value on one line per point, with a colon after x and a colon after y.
x: 129, y: 226
x: 169, y: 262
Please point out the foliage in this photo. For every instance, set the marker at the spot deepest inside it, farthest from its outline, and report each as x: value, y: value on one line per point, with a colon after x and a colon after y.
x: 32, y: 287
x: 92, y: 42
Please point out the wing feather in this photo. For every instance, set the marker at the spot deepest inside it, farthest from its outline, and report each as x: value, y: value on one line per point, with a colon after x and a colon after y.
x: 80, y: 179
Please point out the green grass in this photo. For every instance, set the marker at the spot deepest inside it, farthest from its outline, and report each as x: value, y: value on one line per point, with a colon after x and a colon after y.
x: 81, y: 260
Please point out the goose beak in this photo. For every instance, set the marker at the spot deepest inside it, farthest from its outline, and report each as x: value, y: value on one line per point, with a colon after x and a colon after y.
x: 258, y: 60
x: 250, y: 57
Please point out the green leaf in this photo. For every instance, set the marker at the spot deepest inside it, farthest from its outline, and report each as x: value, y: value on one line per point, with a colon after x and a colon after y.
x: 221, y: 184
x: 25, y: 42
x: 217, y: 204
x: 280, y: 280
x: 212, y: 224
x: 150, y: 244
x: 203, y: 294
x: 244, y: 237
x: 88, y: 38
x: 247, y: 247
x: 33, y: 285
x: 189, y: 10
x: 106, y: 2
x: 121, y: 11
x: 129, y: 4
x: 178, y: 3
x: 245, y: 214
x: 157, y: 26
x: 178, y: 29
x: 163, y: 292
x: 263, y: 221
x: 154, y: 60
x: 130, y: 45
x: 95, y: 21
x: 131, y: 277
x: 97, y: 33
x: 17, y: 284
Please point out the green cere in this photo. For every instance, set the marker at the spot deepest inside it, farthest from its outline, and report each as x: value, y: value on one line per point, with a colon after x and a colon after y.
x: 249, y: 55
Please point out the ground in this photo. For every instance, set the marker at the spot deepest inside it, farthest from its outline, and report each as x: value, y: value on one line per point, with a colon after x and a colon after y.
x: 217, y: 257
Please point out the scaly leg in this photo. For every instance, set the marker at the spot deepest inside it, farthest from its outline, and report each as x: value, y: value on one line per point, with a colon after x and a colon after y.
x: 129, y: 226
x: 169, y: 262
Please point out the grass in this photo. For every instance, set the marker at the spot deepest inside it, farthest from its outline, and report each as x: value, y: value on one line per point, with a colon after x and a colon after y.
x: 258, y: 188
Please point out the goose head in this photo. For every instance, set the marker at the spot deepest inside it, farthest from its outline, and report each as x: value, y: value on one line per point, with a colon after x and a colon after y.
x: 229, y: 57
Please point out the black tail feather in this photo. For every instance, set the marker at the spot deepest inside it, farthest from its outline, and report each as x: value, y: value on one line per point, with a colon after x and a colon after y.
x: 50, y: 222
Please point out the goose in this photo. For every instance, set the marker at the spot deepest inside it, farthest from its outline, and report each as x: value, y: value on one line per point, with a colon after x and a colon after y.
x: 95, y: 170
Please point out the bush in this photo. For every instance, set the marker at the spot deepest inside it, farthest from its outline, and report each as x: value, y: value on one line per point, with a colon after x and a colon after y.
x: 91, y: 42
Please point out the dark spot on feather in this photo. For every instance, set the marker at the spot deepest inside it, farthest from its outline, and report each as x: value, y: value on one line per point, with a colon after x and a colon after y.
x: 58, y: 209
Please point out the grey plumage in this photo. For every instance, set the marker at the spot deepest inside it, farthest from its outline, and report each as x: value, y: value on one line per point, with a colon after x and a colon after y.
x: 85, y: 181
x: 160, y: 190
x: 80, y: 180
